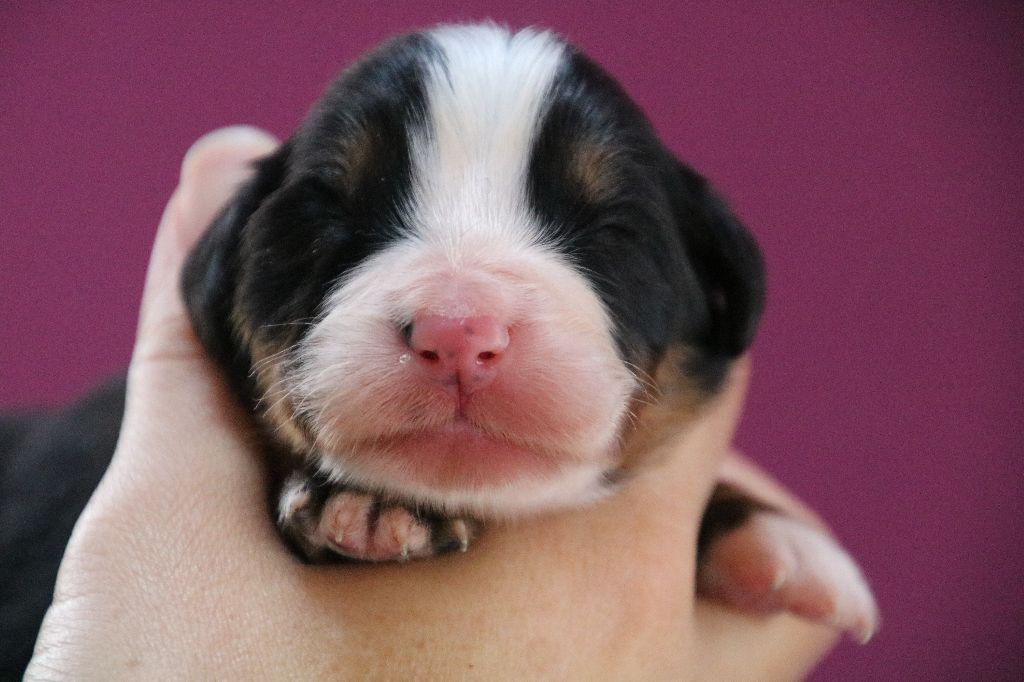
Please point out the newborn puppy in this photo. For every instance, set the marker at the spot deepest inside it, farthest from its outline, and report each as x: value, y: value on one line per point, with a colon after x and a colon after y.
x: 474, y: 285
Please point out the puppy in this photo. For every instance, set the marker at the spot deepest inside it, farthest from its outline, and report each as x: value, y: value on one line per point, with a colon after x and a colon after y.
x: 474, y: 285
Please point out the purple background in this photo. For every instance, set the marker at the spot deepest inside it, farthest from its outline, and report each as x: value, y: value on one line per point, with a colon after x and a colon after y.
x: 876, y: 150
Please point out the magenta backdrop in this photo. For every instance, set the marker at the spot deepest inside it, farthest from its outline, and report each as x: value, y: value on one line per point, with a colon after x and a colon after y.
x: 876, y: 150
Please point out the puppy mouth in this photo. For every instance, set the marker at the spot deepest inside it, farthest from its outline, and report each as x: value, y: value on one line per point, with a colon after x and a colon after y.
x: 460, y: 453
x: 435, y: 439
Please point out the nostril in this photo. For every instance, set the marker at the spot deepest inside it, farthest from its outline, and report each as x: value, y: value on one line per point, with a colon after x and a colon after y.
x: 486, y: 356
x: 429, y: 356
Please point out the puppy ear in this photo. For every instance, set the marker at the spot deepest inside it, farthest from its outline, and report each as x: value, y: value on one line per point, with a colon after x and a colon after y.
x: 726, y: 260
x: 210, y: 273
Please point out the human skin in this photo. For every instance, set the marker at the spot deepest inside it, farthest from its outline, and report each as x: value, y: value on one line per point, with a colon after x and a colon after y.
x: 175, y: 569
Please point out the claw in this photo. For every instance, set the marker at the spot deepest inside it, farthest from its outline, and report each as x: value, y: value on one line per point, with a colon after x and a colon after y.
x: 867, y: 632
x: 461, y: 532
x: 780, y: 580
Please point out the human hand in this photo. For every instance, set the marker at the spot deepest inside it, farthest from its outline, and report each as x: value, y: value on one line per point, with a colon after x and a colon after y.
x: 175, y: 569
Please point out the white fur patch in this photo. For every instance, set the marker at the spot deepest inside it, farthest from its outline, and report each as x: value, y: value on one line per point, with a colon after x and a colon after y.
x: 574, y: 487
x: 485, y: 100
x: 294, y: 495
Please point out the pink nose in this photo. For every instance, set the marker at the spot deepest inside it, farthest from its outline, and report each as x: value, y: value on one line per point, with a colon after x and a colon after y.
x: 459, y: 350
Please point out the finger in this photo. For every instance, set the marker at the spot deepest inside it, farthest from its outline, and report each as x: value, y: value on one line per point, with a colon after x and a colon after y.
x: 211, y: 171
x: 181, y: 424
x: 732, y: 646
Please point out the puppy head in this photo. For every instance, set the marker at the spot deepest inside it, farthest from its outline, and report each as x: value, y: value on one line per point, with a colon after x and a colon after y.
x: 456, y: 278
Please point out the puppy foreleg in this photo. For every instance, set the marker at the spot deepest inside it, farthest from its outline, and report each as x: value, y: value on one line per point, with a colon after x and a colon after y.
x: 761, y: 561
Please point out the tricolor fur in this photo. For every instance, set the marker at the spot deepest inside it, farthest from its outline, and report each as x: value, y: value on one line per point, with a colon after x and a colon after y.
x: 461, y: 172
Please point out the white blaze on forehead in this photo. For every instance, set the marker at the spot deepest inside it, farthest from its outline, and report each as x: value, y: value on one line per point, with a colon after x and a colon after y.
x: 486, y: 96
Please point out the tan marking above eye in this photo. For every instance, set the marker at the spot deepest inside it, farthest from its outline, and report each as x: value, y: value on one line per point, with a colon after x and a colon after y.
x: 592, y: 165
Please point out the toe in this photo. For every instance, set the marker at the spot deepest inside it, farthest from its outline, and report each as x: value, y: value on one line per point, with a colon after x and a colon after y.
x: 774, y: 563
x: 345, y: 523
x: 399, y: 535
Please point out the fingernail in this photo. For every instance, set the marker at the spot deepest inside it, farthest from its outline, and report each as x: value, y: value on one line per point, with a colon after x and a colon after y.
x: 870, y: 628
x: 237, y: 143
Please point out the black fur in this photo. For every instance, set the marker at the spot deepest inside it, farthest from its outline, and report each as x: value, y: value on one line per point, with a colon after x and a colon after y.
x: 50, y: 462
x: 307, y: 216
x: 672, y: 264
x: 729, y: 268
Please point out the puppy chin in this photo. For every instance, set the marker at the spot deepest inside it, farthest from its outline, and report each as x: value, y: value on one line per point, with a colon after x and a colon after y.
x: 513, y: 493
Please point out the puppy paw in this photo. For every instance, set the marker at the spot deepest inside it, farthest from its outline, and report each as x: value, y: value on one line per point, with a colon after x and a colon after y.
x: 772, y: 563
x: 335, y: 521
x: 356, y: 525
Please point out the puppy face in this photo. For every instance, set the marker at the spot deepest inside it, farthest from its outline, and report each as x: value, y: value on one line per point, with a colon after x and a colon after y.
x: 459, y: 278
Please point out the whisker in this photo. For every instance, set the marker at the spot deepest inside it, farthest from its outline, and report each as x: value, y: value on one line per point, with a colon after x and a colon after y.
x: 273, y: 357
x: 304, y: 322
x: 644, y: 378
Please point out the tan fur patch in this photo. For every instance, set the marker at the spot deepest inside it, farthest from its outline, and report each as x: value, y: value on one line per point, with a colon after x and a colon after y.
x: 355, y: 154
x: 592, y: 166
x: 274, y: 405
x: 277, y: 409
x: 666, y: 408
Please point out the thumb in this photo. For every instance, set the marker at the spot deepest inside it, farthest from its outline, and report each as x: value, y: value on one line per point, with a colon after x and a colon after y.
x: 176, y: 506
x: 211, y: 171
x: 175, y: 403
